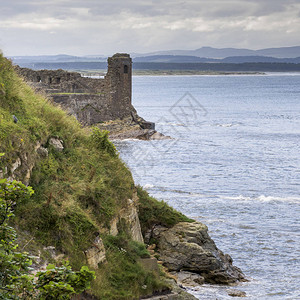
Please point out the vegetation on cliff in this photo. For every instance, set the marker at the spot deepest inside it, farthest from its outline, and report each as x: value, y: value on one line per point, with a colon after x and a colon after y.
x: 153, y: 212
x: 78, y: 191
x: 85, y: 200
x: 16, y: 282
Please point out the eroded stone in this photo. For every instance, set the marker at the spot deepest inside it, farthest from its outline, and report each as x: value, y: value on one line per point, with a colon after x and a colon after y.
x: 188, y: 247
x: 56, y: 143
x: 96, y: 253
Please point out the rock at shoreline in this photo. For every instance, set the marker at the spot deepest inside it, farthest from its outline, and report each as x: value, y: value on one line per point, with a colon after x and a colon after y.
x: 188, y: 279
x: 236, y: 293
x: 188, y: 247
x: 140, y: 134
x: 130, y: 128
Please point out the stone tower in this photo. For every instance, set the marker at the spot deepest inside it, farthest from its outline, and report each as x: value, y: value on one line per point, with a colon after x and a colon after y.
x: 119, y: 84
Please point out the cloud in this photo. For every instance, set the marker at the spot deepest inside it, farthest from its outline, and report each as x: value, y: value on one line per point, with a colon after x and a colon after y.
x: 90, y: 27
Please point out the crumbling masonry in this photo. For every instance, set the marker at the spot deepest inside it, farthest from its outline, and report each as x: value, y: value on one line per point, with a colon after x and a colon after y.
x: 90, y: 100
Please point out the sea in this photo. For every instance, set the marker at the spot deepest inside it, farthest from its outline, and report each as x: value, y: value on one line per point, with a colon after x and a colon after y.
x: 232, y: 163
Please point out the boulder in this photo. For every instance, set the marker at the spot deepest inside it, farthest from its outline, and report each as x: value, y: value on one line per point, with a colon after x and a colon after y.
x: 236, y: 293
x: 129, y: 216
x: 188, y: 279
x: 149, y: 264
x: 56, y: 143
x: 96, y: 253
x: 15, y: 165
x: 42, y: 152
x: 159, y: 136
x: 188, y: 247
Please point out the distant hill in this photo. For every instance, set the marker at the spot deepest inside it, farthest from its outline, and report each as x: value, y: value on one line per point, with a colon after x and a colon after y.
x: 285, y: 58
x: 71, y: 65
x: 219, y: 53
x: 219, y: 67
x: 288, y: 52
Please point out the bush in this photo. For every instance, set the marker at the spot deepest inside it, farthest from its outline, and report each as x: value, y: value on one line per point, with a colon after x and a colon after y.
x: 154, y: 212
x: 122, y: 277
x: 16, y: 281
x: 100, y: 139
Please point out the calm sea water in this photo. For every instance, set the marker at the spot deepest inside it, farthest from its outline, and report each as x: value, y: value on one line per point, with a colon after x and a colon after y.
x: 234, y: 164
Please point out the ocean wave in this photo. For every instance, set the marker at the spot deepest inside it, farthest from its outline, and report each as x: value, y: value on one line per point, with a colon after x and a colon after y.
x: 226, y: 124
x: 263, y: 198
x: 148, y: 186
x: 128, y: 139
x: 176, y: 191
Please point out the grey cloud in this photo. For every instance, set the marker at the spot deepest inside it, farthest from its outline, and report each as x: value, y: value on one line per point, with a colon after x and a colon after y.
x: 208, y: 9
x: 90, y: 26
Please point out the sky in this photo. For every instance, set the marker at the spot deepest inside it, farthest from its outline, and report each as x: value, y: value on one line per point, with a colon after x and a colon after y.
x: 94, y: 27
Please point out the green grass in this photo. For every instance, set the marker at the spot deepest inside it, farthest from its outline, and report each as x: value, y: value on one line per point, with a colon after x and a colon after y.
x: 122, y: 277
x: 154, y: 212
x: 77, y: 191
x: 38, y: 118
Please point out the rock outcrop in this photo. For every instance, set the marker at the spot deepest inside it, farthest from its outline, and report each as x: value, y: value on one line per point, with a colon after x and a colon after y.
x: 130, y: 218
x: 139, y: 134
x: 188, y: 247
x: 56, y: 143
x: 188, y: 279
x: 96, y: 253
x: 236, y: 293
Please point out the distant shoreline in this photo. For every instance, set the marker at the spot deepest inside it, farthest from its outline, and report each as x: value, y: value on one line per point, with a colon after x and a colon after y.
x: 100, y: 73
x: 189, y: 72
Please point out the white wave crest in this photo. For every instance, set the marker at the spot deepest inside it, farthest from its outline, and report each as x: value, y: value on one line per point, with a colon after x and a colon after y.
x: 263, y: 198
x: 148, y: 186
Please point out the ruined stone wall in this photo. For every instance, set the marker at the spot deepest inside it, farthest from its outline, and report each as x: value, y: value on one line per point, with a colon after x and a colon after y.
x: 90, y: 100
x: 119, y: 82
x: 87, y: 108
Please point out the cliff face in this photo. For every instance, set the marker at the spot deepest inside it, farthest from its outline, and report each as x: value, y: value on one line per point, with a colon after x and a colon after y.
x: 188, y: 247
x: 86, y: 207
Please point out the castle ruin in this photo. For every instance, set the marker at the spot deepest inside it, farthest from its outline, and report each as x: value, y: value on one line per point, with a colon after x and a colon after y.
x: 90, y: 100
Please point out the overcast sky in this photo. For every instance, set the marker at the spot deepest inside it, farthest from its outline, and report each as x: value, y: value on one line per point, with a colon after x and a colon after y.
x: 84, y: 27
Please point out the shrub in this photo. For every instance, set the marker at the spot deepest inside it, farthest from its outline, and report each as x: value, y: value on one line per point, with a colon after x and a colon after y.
x: 122, y: 277
x: 16, y: 281
x: 152, y: 212
x: 100, y: 139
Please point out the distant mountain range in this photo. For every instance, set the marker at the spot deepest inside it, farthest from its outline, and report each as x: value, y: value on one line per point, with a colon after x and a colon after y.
x: 204, y: 55
x: 219, y: 53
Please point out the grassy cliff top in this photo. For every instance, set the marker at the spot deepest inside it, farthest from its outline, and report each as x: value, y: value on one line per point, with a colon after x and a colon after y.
x: 84, y: 172
x: 79, y: 190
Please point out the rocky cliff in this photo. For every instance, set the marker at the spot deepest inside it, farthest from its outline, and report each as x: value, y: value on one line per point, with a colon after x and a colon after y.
x: 187, y: 247
x: 86, y: 207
